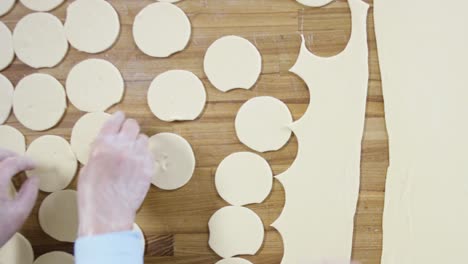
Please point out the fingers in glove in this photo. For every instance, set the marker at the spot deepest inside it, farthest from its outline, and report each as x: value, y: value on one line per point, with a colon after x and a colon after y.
x: 113, y: 125
x: 130, y: 129
x: 10, y: 167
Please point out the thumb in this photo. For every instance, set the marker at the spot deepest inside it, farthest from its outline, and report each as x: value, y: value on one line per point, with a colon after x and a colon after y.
x: 26, y: 198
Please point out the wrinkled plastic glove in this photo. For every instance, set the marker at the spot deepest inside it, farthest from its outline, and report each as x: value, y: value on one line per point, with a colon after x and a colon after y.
x: 116, y: 180
x: 15, y: 210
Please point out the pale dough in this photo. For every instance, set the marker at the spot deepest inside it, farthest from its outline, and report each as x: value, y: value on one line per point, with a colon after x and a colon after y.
x: 11, y: 139
x: 17, y: 250
x: 233, y: 261
x: 235, y: 230
x: 244, y: 178
x: 174, y: 160
x: 176, y: 95
x: 314, y: 3
x: 6, y: 6
x: 262, y: 124
x: 161, y: 29
x: 7, y: 53
x: 55, y: 162
x: 137, y: 228
x: 58, y: 215
x: 55, y: 257
x: 39, y: 40
x: 94, y: 85
x: 232, y: 62
x: 169, y: 1
x: 41, y: 5
x: 39, y: 101
x: 92, y: 26
x: 85, y: 132
x: 6, y: 98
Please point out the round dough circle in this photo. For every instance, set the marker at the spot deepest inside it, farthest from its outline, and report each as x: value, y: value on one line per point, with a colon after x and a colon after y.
x: 262, y: 124
x: 6, y: 98
x: 176, y: 96
x: 58, y: 215
x: 244, y: 178
x: 161, y: 29
x: 314, y: 3
x: 234, y: 261
x: 17, y: 250
x: 94, y: 85
x: 235, y: 230
x: 7, y: 53
x: 6, y: 6
x: 232, y: 62
x: 39, y: 101
x: 92, y: 26
x: 41, y: 5
x: 174, y: 161
x: 137, y: 228
x: 55, y: 257
x: 85, y: 132
x: 11, y: 139
x: 55, y: 163
x: 39, y: 40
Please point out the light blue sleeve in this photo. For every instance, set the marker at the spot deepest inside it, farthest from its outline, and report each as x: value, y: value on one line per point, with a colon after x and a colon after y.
x: 114, y: 248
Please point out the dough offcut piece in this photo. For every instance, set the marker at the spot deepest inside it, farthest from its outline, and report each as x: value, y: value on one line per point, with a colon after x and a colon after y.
x: 7, y: 53
x: 6, y: 98
x: 17, y: 250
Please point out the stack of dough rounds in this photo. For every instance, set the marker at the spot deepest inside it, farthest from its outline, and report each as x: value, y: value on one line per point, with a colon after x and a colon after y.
x: 6, y: 6
x: 85, y: 132
x: 55, y: 162
x: 58, y: 215
x: 174, y: 158
x: 7, y: 53
x: 6, y: 98
x: 55, y: 257
x: 11, y: 139
x: 41, y: 5
x: 94, y: 85
x: 39, y: 101
x: 161, y: 29
x: 233, y: 261
x: 92, y: 26
x: 176, y: 96
x: 17, y: 250
x: 39, y: 40
x: 232, y: 62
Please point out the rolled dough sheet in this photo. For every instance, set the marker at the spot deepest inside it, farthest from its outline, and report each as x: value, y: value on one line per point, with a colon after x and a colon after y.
x: 56, y: 163
x: 6, y: 98
x: 314, y: 3
x: 85, y: 132
x: 7, y: 53
x: 137, y: 228
x: 41, y: 5
x: 322, y: 185
x: 232, y: 62
x: 39, y: 101
x: 423, y: 57
x: 92, y: 26
x: 233, y: 261
x: 161, y: 29
x: 94, y: 85
x: 55, y: 257
x: 58, y: 215
x: 262, y: 124
x: 174, y: 161
x: 176, y: 95
x: 6, y: 6
x: 17, y: 250
x: 11, y: 139
x: 235, y: 230
x: 244, y: 178
x: 39, y: 40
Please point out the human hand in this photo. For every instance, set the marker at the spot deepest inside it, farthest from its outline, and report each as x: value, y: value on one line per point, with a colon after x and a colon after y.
x: 114, y: 183
x: 15, y: 210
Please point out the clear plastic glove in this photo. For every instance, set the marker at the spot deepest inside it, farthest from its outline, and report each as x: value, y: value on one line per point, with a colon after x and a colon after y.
x: 114, y: 183
x: 14, y: 211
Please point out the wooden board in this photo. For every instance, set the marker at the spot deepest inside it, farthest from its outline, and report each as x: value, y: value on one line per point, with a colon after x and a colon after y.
x: 175, y: 223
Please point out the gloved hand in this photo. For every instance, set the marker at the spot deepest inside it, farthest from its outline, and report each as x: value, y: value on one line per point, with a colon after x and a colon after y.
x: 15, y: 210
x: 114, y: 183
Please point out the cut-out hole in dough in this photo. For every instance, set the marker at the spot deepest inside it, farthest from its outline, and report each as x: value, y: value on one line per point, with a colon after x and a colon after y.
x: 12, y: 139
x: 17, y: 250
x: 6, y: 6
x: 234, y: 261
x: 7, y: 53
x: 41, y: 5
x: 6, y: 98
x: 55, y: 257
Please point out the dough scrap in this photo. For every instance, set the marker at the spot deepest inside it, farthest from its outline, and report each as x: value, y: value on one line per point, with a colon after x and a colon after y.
x: 55, y: 257
x: 174, y: 161
x: 39, y: 101
x: 56, y: 163
x: 6, y: 98
x: 17, y: 250
x: 39, y: 40
x: 41, y: 5
x: 85, y: 132
x: 6, y: 6
x: 7, y: 53
x: 11, y: 139
x: 244, y: 178
x: 161, y: 29
x: 176, y: 96
x: 92, y: 26
x: 315, y: 3
x: 58, y: 215
x: 137, y: 228
x: 262, y: 124
x: 235, y: 231
x: 233, y: 261
x: 94, y: 85
x: 232, y: 62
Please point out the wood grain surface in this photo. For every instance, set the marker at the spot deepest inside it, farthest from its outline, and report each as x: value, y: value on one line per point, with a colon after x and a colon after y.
x: 175, y: 223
